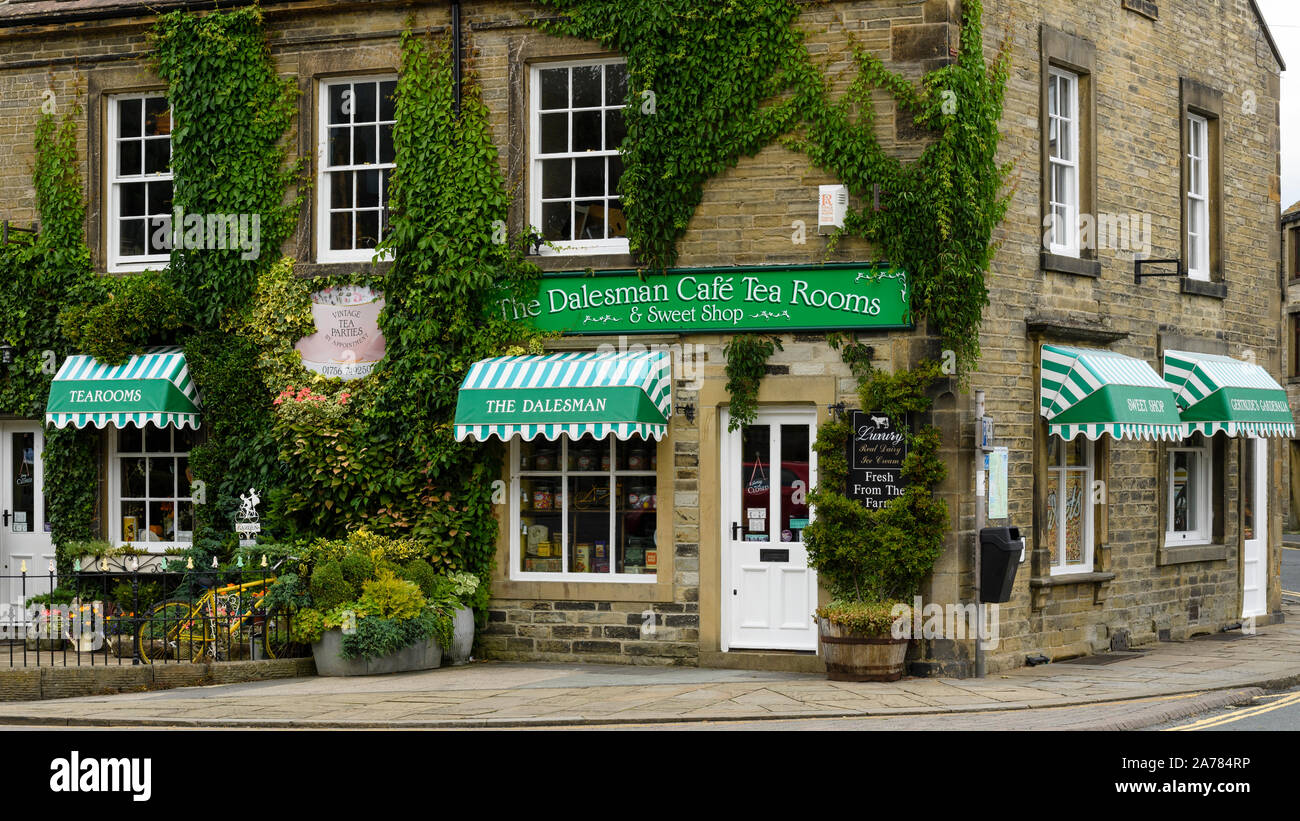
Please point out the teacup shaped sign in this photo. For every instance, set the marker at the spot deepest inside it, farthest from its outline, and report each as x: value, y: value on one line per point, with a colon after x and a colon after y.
x: 347, y: 342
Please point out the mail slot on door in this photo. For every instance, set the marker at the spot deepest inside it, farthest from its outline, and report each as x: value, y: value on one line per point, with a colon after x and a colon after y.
x: 774, y: 554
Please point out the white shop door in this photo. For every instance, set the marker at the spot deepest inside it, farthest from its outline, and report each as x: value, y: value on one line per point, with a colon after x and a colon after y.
x: 769, y: 593
x: 1254, y: 525
x: 24, y: 541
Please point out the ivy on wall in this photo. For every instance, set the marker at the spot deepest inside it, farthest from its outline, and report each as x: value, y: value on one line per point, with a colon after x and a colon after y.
x: 709, y: 84
x: 937, y: 213
x: 44, y: 273
x: 231, y: 113
x: 747, y: 356
x: 448, y: 206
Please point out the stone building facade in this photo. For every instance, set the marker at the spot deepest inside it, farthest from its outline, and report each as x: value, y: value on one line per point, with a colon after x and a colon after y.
x: 1289, y: 273
x: 1137, y: 70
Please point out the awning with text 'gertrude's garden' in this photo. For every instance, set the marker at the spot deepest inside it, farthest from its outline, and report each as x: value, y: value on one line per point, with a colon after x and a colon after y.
x: 1219, y: 393
x: 152, y: 388
x: 566, y: 394
x: 1096, y: 392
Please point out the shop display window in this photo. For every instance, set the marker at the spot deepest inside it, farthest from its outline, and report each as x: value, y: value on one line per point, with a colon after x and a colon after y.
x: 586, y: 508
x: 151, y: 477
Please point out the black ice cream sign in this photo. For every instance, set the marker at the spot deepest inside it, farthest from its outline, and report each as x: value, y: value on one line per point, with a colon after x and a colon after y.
x: 877, y: 448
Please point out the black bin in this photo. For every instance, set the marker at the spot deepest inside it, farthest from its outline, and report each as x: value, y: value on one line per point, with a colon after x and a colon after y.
x: 999, y: 558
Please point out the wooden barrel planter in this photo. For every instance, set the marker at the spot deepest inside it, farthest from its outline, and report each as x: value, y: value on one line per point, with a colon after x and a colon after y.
x: 852, y: 657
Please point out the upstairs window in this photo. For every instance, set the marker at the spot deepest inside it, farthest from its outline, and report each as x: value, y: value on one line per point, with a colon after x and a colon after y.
x: 576, y: 130
x: 356, y: 161
x: 139, y: 175
x: 1198, y: 197
x: 1063, y: 162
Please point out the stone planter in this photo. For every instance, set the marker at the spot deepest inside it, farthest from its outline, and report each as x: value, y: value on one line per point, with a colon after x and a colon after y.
x: 423, y: 655
x: 462, y: 640
x: 855, y: 657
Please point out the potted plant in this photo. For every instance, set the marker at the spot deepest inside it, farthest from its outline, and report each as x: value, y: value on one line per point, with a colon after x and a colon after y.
x: 374, y: 605
x: 874, y: 560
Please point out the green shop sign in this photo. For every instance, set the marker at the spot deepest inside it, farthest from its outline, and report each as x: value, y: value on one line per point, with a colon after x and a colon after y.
x: 798, y: 297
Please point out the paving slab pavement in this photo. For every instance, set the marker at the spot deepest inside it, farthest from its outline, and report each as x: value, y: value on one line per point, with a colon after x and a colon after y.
x: 499, y: 694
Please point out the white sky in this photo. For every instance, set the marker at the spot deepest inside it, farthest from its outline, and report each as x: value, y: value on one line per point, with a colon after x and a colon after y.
x: 1283, y: 18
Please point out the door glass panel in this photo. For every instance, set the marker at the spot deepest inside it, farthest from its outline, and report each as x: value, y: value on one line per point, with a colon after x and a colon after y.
x: 794, y: 482
x: 755, y: 481
x: 1248, y: 489
x: 23, y: 483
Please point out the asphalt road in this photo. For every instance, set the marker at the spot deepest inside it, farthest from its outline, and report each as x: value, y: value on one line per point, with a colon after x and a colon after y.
x: 1115, y: 715
x: 1275, y: 711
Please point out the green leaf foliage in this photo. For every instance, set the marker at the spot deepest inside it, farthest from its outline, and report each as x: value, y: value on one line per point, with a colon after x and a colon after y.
x: 747, y: 356
x: 937, y: 213
x: 879, y: 555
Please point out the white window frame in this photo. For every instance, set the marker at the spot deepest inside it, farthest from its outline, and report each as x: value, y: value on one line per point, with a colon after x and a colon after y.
x: 1204, y: 476
x: 115, y: 494
x: 1198, y: 196
x: 324, y: 254
x: 1056, y: 475
x: 517, y: 574
x: 116, y: 263
x: 616, y: 245
x: 1070, y: 198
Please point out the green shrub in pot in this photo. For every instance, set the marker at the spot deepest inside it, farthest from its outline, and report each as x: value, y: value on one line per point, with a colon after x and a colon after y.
x: 873, y: 561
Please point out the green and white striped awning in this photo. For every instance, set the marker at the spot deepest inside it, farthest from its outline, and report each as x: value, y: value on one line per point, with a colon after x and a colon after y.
x: 152, y: 388
x: 1097, y: 392
x: 566, y: 394
x: 1219, y: 393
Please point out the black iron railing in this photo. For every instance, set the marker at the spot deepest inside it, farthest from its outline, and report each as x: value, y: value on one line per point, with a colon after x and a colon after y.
x: 135, y: 617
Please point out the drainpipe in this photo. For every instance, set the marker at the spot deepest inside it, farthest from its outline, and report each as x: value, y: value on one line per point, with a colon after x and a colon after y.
x: 455, y: 51
x: 981, y: 502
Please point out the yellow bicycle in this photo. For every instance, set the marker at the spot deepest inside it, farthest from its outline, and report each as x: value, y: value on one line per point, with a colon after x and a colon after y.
x: 212, y: 627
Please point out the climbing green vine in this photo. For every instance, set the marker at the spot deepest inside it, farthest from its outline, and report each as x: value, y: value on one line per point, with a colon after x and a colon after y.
x: 46, y: 272
x: 230, y: 117
x: 937, y: 213
x: 747, y: 356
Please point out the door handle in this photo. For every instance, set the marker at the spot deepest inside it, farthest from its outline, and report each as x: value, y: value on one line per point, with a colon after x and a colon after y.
x: 734, y: 527
x: 6, y: 519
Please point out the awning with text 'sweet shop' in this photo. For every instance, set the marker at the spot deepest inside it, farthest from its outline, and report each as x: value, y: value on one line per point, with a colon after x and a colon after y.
x: 1218, y: 393
x: 567, y: 394
x: 1096, y: 392
x: 152, y: 388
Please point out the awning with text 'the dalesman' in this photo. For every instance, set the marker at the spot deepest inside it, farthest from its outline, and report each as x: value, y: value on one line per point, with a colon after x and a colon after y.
x: 566, y: 394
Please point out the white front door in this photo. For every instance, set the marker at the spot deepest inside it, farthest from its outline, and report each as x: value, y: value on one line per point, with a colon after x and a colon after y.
x: 1254, y: 526
x: 24, y: 540
x: 769, y: 593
